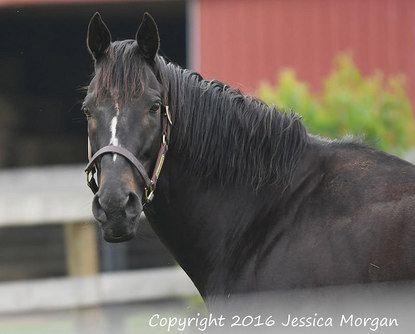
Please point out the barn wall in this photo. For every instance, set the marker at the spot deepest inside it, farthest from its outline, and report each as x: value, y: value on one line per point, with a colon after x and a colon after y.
x: 243, y: 42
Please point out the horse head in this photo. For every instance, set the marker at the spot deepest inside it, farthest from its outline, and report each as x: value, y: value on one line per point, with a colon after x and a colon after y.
x: 127, y: 118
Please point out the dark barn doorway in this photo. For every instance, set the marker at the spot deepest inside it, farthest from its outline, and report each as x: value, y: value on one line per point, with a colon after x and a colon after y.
x: 44, y: 63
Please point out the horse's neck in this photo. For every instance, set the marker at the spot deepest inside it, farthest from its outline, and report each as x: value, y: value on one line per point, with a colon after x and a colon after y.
x: 218, y: 234
x: 211, y: 230
x: 200, y: 225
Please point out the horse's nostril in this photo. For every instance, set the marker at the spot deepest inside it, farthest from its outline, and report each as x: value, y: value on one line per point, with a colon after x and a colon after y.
x: 132, y: 206
x: 98, y: 210
x: 108, y: 207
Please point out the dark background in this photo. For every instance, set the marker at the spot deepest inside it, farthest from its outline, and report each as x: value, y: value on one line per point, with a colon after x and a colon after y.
x: 44, y: 64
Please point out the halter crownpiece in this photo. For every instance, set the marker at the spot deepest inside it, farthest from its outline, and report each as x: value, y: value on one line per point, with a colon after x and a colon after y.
x: 150, y: 183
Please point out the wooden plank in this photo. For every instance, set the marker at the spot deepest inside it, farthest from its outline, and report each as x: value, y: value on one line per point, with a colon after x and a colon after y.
x: 108, y: 288
x: 81, y: 249
x: 47, y: 195
x: 31, y: 196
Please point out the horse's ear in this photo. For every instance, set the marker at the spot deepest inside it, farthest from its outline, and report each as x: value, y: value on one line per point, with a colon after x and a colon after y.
x: 147, y: 38
x: 98, y: 38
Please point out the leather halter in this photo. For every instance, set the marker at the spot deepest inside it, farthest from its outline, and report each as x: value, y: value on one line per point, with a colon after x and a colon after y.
x: 150, y: 183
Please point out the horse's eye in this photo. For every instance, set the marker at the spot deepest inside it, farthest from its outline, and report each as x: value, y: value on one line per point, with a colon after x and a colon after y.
x: 155, y: 107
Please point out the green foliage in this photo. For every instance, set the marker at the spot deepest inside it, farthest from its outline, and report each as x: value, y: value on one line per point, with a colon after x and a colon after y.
x: 374, y: 107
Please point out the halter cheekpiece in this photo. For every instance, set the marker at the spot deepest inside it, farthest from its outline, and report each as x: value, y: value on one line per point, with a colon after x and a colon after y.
x: 150, y: 183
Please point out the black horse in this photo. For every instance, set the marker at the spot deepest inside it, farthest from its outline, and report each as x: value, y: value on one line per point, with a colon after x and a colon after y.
x: 246, y: 200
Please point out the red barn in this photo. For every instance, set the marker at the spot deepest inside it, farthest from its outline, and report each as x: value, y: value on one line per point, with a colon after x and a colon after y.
x: 246, y: 41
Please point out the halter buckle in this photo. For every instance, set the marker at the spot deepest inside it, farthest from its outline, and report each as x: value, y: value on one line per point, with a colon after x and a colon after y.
x: 149, y: 193
x: 90, y: 180
x: 89, y: 176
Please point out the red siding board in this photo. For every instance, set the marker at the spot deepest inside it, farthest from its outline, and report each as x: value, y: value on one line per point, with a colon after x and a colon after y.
x: 244, y: 42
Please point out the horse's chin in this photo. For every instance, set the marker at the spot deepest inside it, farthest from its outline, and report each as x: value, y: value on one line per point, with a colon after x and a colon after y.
x: 121, y: 231
x: 121, y: 238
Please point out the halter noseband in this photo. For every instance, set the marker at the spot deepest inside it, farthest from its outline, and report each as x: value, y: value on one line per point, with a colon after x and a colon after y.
x: 150, y: 183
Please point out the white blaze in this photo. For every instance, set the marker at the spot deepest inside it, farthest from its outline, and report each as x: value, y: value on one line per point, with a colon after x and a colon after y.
x: 113, y: 129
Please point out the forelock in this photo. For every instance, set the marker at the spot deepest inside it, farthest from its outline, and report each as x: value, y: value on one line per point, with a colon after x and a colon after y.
x: 120, y: 73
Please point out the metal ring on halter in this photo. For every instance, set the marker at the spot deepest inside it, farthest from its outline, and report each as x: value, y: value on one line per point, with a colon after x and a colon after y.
x: 149, y: 193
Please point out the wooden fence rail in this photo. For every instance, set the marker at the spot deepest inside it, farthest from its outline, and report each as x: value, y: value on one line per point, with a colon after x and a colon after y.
x: 32, y: 196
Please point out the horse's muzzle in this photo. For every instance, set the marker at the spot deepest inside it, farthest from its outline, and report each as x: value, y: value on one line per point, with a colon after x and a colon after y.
x: 118, y: 214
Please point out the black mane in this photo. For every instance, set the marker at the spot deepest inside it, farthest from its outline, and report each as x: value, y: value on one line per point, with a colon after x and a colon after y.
x: 228, y: 137
x: 223, y: 135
